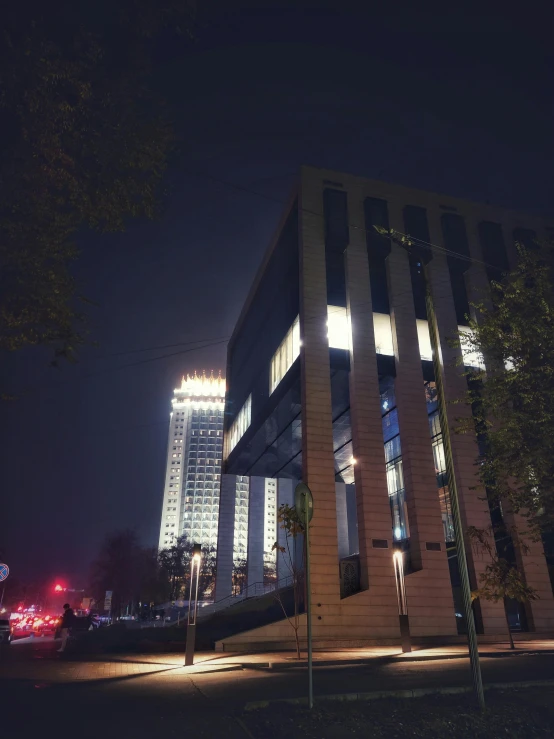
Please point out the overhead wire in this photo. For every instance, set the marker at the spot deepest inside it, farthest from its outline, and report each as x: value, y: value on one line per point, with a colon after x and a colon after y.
x: 249, y: 191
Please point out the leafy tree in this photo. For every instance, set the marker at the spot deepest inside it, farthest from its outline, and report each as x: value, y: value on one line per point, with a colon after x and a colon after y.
x: 289, y: 521
x: 85, y: 143
x: 500, y: 579
x: 240, y: 572
x: 208, y: 566
x: 175, y: 568
x: 118, y: 568
x: 513, y: 401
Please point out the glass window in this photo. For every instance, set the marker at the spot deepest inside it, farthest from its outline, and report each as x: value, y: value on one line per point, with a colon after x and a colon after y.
x: 393, y: 459
x: 284, y: 357
x: 440, y: 464
x: 240, y: 424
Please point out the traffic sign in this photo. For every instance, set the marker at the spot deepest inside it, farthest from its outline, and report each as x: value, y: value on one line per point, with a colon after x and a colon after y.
x: 4, y: 571
x: 300, y: 493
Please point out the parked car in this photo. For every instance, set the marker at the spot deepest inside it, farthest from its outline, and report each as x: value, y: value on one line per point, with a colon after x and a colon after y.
x: 5, y: 631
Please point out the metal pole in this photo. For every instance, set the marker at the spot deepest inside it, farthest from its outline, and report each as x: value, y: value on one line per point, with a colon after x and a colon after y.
x: 191, y: 625
x: 308, y: 602
x: 454, y: 499
x: 196, y: 594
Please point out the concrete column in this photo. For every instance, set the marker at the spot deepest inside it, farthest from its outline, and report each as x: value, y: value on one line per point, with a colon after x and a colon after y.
x: 477, y: 282
x: 256, y: 510
x: 374, y: 516
x: 474, y: 510
x: 318, y: 467
x: 285, y: 496
x: 510, y: 244
x: 342, y: 520
x: 225, y: 537
x: 429, y: 590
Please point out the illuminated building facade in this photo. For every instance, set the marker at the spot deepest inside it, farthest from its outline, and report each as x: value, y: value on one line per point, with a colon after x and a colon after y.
x: 330, y: 381
x: 193, y: 474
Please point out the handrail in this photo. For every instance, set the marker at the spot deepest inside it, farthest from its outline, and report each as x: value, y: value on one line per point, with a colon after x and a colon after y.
x: 254, y: 590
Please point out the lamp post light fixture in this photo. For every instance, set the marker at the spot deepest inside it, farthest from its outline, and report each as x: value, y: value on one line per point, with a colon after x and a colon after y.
x: 422, y: 251
x: 193, y: 598
x: 403, y: 619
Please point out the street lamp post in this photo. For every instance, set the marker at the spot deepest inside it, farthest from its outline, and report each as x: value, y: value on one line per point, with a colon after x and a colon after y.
x: 409, y: 244
x: 403, y: 619
x: 191, y: 620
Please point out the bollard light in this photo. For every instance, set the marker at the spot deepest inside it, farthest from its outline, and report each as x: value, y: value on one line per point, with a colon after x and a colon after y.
x: 398, y: 562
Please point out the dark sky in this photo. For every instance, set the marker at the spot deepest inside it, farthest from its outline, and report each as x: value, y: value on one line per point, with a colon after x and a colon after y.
x: 458, y: 103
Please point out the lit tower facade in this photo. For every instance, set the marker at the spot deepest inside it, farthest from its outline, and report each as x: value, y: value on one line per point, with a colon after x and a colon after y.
x: 194, y: 451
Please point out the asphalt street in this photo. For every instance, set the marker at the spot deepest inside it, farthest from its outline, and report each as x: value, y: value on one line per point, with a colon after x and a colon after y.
x: 154, y: 695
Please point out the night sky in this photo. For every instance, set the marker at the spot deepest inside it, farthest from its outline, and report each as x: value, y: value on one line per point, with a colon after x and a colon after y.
x: 460, y: 104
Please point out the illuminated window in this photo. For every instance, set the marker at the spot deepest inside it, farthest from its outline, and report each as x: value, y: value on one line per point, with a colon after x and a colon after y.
x: 284, y: 357
x: 337, y: 327
x: 471, y: 357
x: 338, y: 330
x: 240, y: 424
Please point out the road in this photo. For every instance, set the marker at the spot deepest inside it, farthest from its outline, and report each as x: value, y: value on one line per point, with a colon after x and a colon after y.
x: 152, y: 695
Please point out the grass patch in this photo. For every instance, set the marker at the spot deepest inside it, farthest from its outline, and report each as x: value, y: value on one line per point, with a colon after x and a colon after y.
x: 514, y: 714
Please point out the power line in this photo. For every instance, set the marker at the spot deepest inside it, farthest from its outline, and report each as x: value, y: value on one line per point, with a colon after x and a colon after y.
x: 249, y: 191
x: 156, y: 348
x: 123, y: 366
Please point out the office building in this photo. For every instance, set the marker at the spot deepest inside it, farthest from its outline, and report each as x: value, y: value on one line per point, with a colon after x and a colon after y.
x: 330, y: 381
x: 193, y: 473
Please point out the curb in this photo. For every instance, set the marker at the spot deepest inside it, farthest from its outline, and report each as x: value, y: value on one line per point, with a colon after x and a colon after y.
x: 388, y: 659
x: 414, y: 693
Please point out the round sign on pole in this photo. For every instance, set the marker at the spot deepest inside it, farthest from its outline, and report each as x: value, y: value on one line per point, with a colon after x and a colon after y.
x: 300, y: 493
x: 4, y: 571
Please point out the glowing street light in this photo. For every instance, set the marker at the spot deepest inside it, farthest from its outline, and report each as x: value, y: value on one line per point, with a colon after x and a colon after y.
x: 398, y: 561
x: 191, y: 621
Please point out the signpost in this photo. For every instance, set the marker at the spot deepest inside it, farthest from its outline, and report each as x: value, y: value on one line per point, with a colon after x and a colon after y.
x: 108, y: 601
x: 304, y: 504
x: 4, y: 572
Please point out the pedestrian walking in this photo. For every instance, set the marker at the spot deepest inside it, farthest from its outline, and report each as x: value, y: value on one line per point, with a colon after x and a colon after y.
x: 66, y: 624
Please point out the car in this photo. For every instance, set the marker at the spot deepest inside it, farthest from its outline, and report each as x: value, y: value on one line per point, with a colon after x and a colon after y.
x: 5, y: 631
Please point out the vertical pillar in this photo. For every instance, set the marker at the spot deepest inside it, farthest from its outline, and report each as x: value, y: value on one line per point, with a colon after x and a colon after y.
x: 225, y: 537
x: 509, y: 243
x: 429, y: 590
x: 317, y: 431
x: 477, y: 282
x: 474, y: 510
x: 342, y: 520
x: 374, y: 516
x: 256, y: 509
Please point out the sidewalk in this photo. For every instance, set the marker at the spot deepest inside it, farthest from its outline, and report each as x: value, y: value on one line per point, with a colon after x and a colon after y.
x: 40, y: 661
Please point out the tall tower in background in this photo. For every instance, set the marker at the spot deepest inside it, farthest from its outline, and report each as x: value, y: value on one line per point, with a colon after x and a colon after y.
x: 194, y: 451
